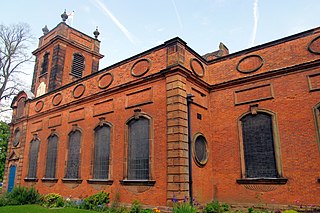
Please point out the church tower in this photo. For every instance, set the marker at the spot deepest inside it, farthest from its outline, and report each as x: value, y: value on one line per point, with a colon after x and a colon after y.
x: 64, y: 55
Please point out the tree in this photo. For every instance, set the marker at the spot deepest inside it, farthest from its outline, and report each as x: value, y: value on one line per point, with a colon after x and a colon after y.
x: 4, y: 138
x: 14, y: 42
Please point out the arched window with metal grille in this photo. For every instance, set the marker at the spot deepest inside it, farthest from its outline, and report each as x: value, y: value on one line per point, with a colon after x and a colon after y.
x: 258, y: 146
x: 77, y: 65
x: 52, y: 150
x: 33, y: 158
x: 138, y: 149
x: 101, y: 152
x: 73, y: 163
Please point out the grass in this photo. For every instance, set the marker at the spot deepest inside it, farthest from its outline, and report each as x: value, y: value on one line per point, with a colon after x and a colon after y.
x: 39, y: 209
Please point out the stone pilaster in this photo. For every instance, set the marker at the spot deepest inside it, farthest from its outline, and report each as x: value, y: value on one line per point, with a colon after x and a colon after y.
x: 177, y: 138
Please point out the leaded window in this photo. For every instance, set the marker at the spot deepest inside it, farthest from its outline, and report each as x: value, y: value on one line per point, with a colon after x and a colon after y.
x: 73, y: 163
x: 101, y: 152
x: 45, y: 63
x: 138, y: 149
x: 200, y: 150
x: 52, y: 151
x: 77, y: 65
x: 258, y: 146
x: 33, y: 158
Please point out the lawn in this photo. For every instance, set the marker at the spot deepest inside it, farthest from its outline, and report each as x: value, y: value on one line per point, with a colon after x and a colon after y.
x: 39, y: 209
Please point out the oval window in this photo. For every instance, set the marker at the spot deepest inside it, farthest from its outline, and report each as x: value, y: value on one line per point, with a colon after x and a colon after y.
x: 200, y: 150
x: 16, y: 137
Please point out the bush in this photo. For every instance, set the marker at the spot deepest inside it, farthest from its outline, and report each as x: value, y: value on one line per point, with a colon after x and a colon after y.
x: 97, y: 202
x: 22, y: 195
x: 216, y: 207
x: 52, y: 200
x: 184, y: 207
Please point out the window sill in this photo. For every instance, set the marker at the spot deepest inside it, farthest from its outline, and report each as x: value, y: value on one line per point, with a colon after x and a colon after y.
x: 100, y: 181
x: 53, y: 180
x: 138, y: 182
x: 31, y: 179
x: 271, y: 181
x: 71, y: 180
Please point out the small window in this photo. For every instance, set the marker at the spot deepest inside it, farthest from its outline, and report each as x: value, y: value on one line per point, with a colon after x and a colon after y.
x: 73, y: 163
x: 16, y: 139
x: 45, y: 63
x: 258, y: 146
x: 77, y: 65
x: 200, y: 150
x: 52, y: 150
x: 33, y: 158
x: 20, y: 107
x: 101, y: 152
x: 138, y: 149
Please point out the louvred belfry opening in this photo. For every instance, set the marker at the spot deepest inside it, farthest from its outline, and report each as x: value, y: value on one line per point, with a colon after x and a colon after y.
x: 77, y: 65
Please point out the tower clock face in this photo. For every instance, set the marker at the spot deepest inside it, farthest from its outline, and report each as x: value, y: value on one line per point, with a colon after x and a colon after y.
x: 16, y: 139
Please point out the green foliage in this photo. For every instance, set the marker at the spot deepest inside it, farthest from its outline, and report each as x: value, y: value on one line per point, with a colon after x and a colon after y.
x: 22, y: 195
x: 216, y: 207
x: 52, y: 200
x: 97, y: 202
x: 289, y: 211
x: 39, y: 209
x: 135, y: 207
x: 4, y: 138
x: 184, y: 207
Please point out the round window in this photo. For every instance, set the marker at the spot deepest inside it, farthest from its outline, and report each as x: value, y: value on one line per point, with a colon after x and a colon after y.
x: 16, y: 139
x: 200, y: 150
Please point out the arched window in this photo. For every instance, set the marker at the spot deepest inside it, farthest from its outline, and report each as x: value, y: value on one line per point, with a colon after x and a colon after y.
x: 45, y: 63
x: 101, y: 152
x: 20, y: 107
x: 52, y: 150
x: 33, y: 158
x: 73, y: 163
x: 77, y: 65
x: 138, y: 149
x: 258, y: 146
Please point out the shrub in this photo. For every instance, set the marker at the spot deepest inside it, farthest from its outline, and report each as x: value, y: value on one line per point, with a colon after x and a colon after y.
x: 97, y: 202
x: 184, y: 207
x: 135, y: 207
x: 22, y: 195
x: 52, y: 200
x: 216, y: 207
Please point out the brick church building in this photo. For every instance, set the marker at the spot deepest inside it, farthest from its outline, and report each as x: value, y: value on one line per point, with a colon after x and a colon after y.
x: 250, y: 119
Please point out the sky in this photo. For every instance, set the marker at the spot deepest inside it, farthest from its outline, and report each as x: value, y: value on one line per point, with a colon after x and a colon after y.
x: 129, y: 27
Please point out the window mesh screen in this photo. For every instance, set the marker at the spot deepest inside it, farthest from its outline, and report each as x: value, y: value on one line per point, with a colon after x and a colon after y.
x: 138, y: 149
x: 258, y: 146
x: 101, y: 152
x: 51, y: 157
x: 33, y: 158
x: 77, y: 65
x: 73, y: 155
x: 45, y: 63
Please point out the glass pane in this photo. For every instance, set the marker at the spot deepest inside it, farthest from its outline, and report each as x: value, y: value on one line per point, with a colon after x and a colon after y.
x: 51, y: 157
x: 73, y: 155
x: 33, y: 158
x: 101, y: 152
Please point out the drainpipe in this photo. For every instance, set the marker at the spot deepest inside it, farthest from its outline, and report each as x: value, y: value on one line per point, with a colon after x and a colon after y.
x: 189, y: 101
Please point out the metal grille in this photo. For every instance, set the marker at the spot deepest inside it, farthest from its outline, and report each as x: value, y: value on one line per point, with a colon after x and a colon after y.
x: 101, y: 152
x: 258, y: 146
x: 77, y: 65
x: 73, y: 155
x: 45, y: 63
x: 51, y: 157
x: 200, y: 149
x: 138, y: 153
x: 33, y: 158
